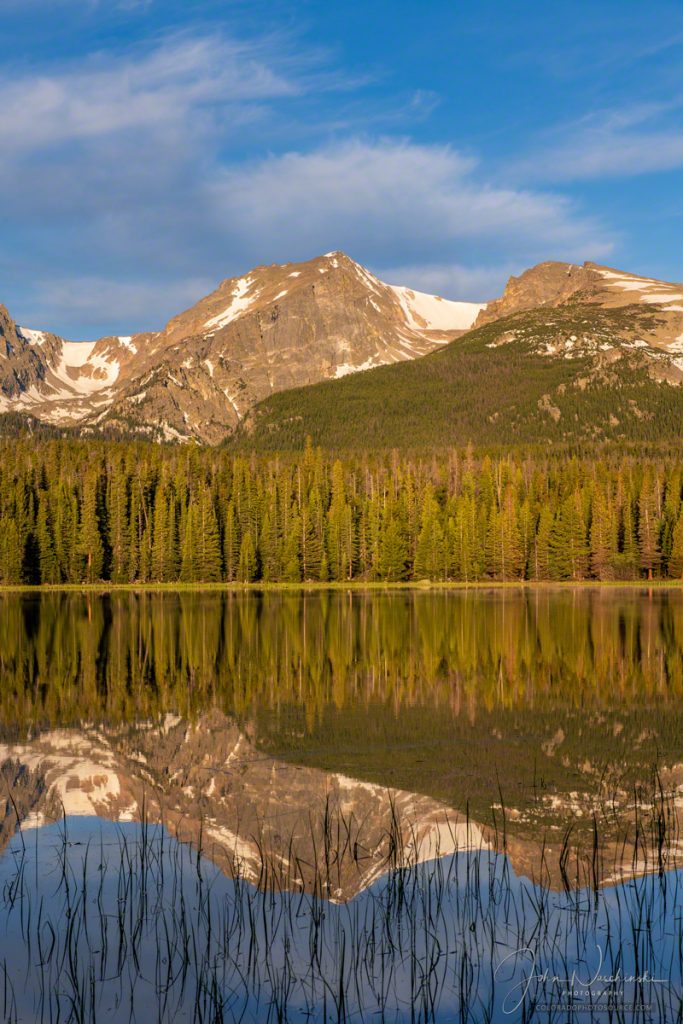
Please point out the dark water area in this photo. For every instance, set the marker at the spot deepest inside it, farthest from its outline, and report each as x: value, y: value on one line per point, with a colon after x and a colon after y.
x: 408, y: 805
x: 107, y: 922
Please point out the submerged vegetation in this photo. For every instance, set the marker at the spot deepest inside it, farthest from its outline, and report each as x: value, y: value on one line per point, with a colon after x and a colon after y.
x: 75, y: 513
x: 117, y: 923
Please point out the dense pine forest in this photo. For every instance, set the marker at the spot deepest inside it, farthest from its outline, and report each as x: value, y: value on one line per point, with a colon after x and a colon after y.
x: 85, y: 512
x: 495, y: 385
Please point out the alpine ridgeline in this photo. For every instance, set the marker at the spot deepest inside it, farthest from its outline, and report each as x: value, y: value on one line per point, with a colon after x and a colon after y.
x: 276, y: 328
x: 569, y: 353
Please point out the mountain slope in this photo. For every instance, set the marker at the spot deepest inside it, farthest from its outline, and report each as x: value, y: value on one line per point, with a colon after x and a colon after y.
x: 278, y: 327
x: 584, y: 363
x: 552, y: 284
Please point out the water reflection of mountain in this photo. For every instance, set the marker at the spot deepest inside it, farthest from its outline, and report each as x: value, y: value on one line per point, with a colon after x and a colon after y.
x: 547, y: 714
x: 267, y: 820
x: 288, y: 825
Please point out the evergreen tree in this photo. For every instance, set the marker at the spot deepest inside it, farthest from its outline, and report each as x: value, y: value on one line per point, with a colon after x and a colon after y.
x: 208, y: 546
x: 90, y: 539
x: 676, y: 556
x: 231, y: 544
x: 603, y: 537
x: 430, y: 553
x: 292, y: 551
x: 649, y: 524
x: 568, y: 547
x: 11, y: 552
x: 48, y: 564
x: 119, y: 534
x: 247, y: 570
x: 393, y: 559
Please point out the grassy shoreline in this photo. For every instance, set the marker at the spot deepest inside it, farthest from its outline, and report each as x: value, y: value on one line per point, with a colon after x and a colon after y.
x: 356, y: 585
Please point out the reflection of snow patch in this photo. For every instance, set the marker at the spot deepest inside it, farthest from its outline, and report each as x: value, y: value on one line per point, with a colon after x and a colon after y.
x: 128, y: 813
x: 34, y: 819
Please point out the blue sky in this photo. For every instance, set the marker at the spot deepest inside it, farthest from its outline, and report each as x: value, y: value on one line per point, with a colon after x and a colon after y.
x: 151, y: 148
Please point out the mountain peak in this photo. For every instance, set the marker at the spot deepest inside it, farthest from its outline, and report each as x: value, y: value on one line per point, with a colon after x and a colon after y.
x: 276, y: 327
x: 553, y: 283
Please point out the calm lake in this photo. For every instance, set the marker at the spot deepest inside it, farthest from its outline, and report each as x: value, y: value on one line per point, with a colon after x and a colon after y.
x: 417, y: 805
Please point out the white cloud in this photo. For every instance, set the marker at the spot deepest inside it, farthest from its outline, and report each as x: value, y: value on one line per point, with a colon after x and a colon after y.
x: 611, y: 144
x: 126, y: 167
x: 375, y: 198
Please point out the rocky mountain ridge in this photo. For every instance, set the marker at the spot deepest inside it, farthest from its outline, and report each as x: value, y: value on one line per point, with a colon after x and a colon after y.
x: 281, y: 328
x: 275, y: 328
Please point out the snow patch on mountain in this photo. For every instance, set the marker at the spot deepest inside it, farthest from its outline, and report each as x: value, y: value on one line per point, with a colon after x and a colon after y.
x: 651, y: 290
x: 344, y: 369
x: 432, y: 313
x: 241, y: 302
x: 35, y: 337
x: 83, y: 372
x: 658, y: 297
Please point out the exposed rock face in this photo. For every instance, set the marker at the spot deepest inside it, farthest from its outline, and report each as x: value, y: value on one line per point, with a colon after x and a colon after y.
x: 276, y: 328
x: 554, y: 284
x: 22, y: 365
x: 545, y: 284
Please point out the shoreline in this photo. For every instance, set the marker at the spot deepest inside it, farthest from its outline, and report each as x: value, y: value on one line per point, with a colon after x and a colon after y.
x: 355, y: 585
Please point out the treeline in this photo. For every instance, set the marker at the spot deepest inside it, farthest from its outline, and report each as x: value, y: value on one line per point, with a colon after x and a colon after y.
x: 84, y: 512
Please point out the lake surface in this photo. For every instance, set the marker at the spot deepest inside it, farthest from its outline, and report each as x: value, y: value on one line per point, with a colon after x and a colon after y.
x: 408, y: 805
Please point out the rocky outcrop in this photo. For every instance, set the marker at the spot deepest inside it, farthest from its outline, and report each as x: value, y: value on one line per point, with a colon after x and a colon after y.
x: 278, y: 327
x: 555, y: 284
x: 547, y: 284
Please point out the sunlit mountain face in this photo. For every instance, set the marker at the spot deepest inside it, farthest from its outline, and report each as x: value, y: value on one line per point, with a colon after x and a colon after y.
x: 275, y: 327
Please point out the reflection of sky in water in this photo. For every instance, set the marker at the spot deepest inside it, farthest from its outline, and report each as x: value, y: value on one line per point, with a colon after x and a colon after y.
x: 97, y: 931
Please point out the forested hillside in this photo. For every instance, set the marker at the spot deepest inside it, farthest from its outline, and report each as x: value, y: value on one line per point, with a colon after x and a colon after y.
x: 576, y: 372
x: 77, y: 512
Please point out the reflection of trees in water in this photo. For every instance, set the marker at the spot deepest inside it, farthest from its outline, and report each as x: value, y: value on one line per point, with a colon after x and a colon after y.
x: 123, y: 655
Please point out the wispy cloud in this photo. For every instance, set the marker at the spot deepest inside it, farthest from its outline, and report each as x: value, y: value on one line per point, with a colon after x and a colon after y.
x: 637, y: 139
x: 132, y: 165
x: 390, y: 195
x: 156, y: 91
